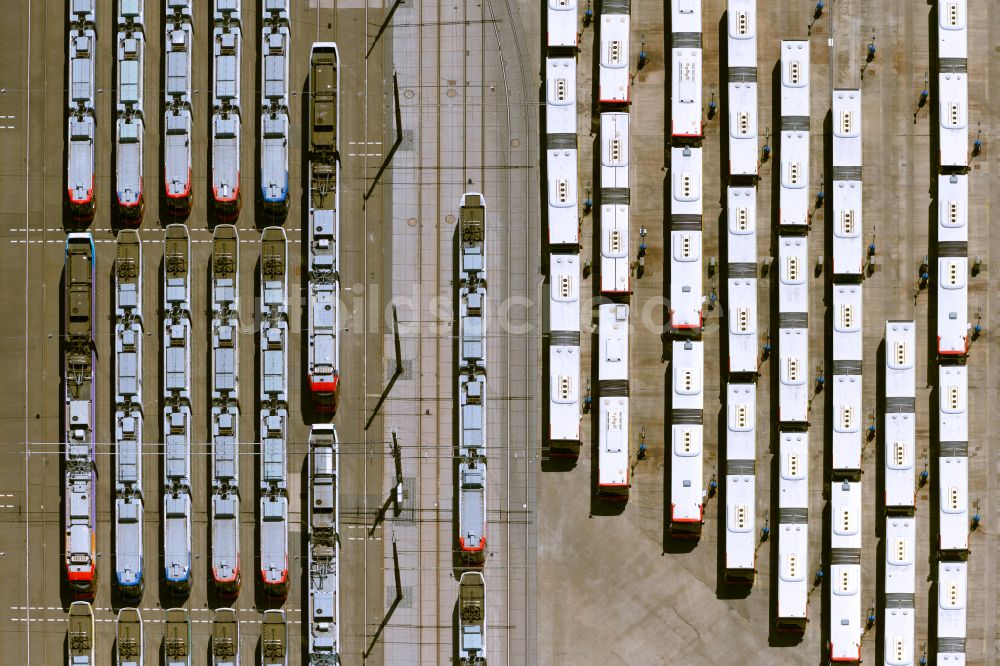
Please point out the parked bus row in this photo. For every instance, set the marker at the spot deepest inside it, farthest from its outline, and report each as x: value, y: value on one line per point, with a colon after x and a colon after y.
x: 741, y: 292
x: 563, y: 218
x: 844, y: 618
x: 793, y: 338
x: 130, y: 110
x: 953, y: 328
x: 686, y: 315
x: 614, y: 94
x: 614, y: 414
x: 899, y: 505
x: 177, y: 646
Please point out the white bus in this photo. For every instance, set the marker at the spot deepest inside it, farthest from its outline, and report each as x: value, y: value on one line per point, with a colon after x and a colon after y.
x: 953, y: 37
x: 899, y: 611
x: 953, y: 208
x: 741, y: 273
x: 686, y: 185
x: 687, y: 404
x: 793, y: 330
x: 562, y: 21
x: 614, y: 150
x: 793, y: 283
x: 795, y: 64
x: 614, y: 73
x: 564, y: 353
x: 846, y: 111
x: 953, y: 83
x: 845, y: 571
x: 846, y: 395
x: 953, y: 463
x: 613, y: 448
x: 685, y: 281
x: 952, y: 587
x: 686, y: 75
x: 848, y: 241
x: 563, y: 197
x: 613, y: 334
x: 615, y: 277
x: 900, y: 414
x: 953, y: 302
x: 742, y: 87
x: 793, y: 193
x: 953, y: 111
x: 741, y: 453
x: 793, y: 532
x: 560, y: 96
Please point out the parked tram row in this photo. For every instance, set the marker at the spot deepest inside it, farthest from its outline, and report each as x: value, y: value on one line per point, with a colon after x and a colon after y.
x: 130, y: 108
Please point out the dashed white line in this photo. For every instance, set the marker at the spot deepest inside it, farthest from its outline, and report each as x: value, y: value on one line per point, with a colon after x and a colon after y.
x: 147, y: 609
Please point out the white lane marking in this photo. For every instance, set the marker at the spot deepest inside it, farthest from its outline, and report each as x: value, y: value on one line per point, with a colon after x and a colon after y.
x: 148, y: 609
x: 114, y: 619
x: 60, y: 241
x: 364, y: 154
x: 360, y: 143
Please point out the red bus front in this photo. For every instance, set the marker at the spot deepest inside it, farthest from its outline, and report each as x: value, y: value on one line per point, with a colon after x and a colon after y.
x: 325, y: 395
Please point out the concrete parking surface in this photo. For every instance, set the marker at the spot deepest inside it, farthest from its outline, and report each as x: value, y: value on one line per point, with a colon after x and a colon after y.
x: 569, y: 580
